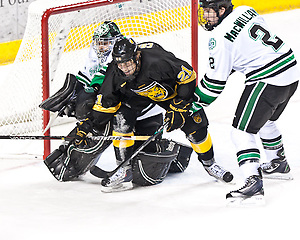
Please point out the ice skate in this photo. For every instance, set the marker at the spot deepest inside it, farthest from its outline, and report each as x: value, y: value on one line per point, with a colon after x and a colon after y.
x: 251, y: 194
x: 219, y: 173
x: 119, y: 181
x: 278, y: 168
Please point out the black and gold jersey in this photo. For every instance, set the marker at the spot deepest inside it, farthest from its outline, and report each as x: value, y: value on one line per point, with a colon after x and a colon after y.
x: 160, y: 78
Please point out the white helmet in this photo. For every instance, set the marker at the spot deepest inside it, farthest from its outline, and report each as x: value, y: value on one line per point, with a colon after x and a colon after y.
x: 104, y: 38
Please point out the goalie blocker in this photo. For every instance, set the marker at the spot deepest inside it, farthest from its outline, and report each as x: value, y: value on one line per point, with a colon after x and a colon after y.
x: 72, y: 99
x: 149, y: 168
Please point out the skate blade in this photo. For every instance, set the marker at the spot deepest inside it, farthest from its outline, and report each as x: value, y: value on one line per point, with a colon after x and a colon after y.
x: 278, y: 176
x: 254, y: 201
x: 117, y: 188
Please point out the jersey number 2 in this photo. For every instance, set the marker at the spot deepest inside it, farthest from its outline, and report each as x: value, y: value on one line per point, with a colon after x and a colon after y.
x: 258, y: 32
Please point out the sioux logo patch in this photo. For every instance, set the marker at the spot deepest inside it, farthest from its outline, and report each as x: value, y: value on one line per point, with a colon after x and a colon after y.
x: 212, y: 44
x: 154, y: 91
x: 103, y: 30
x: 197, y: 118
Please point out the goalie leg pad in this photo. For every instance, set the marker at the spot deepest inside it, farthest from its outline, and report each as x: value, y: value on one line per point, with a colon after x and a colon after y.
x: 152, y: 168
x: 182, y: 160
x: 58, y: 164
x: 68, y: 162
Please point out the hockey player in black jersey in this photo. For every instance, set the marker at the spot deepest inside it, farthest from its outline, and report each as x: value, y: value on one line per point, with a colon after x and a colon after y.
x: 240, y: 40
x: 76, y: 99
x: 143, y: 73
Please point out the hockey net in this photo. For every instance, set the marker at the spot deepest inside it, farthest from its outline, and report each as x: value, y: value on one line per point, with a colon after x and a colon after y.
x: 56, y: 42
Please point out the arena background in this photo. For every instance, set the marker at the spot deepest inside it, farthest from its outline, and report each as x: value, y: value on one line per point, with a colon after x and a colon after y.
x: 9, y: 49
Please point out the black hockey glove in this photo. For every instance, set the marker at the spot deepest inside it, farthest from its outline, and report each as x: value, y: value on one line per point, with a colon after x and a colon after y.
x: 177, y: 113
x: 82, y: 129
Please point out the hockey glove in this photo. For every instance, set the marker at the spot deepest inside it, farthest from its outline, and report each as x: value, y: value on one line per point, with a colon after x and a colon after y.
x: 177, y: 113
x: 82, y: 129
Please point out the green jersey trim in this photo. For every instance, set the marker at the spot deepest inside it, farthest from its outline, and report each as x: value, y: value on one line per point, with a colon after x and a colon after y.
x: 277, y: 66
x: 250, y: 106
x: 204, y: 98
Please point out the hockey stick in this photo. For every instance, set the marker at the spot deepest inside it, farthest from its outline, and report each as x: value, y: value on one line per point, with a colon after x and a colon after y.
x: 67, y: 138
x: 53, y: 118
x: 51, y: 121
x: 100, y: 173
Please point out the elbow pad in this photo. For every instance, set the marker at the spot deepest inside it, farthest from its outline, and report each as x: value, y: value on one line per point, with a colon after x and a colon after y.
x: 186, y: 91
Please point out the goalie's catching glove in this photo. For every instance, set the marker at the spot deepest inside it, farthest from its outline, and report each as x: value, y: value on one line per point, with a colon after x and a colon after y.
x: 177, y: 113
x: 82, y: 129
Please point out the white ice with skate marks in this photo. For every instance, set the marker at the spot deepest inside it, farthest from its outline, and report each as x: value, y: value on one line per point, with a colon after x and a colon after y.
x: 190, y: 205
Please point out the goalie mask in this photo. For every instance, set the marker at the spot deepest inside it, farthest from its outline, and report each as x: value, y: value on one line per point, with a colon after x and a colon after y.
x: 104, y: 39
x: 126, y: 56
x: 212, y: 12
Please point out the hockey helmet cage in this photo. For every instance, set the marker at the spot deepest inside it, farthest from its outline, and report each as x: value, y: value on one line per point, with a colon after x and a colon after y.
x: 124, y: 50
x: 215, y: 5
x: 104, y: 38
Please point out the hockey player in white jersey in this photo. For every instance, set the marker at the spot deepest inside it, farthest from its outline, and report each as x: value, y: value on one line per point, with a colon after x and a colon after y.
x: 241, y: 41
x: 100, y: 52
x: 76, y: 99
x: 71, y: 99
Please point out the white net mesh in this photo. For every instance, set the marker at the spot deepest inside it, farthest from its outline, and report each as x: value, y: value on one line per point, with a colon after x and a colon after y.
x: 166, y: 22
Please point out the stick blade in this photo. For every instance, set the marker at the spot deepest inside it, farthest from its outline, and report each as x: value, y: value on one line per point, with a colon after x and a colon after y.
x: 99, y: 173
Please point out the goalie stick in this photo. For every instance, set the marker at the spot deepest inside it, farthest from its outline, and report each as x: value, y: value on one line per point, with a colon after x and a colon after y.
x: 53, y: 118
x: 100, y: 173
x: 67, y: 138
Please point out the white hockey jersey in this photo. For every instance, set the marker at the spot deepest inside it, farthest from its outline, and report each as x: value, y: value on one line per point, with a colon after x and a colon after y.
x: 93, y: 66
x: 244, y: 43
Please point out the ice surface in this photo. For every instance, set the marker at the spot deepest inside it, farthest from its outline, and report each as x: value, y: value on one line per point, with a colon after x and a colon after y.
x: 191, y: 205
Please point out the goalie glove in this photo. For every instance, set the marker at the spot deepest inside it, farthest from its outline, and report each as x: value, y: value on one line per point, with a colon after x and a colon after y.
x: 82, y: 129
x: 177, y: 113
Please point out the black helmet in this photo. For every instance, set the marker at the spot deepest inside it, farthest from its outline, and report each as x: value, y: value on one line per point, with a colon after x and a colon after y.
x: 124, y: 50
x: 215, y: 5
